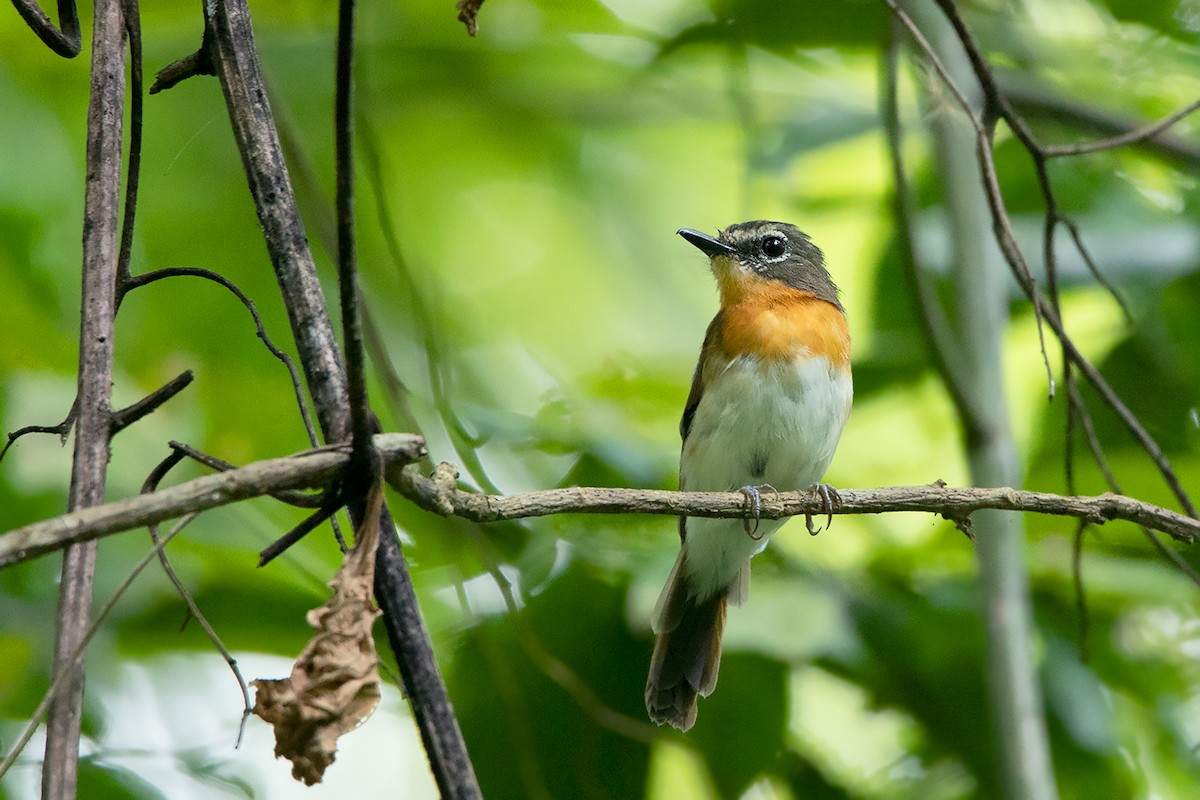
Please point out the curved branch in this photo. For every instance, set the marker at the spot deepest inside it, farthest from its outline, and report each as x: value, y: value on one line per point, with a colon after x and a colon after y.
x: 62, y: 429
x: 1036, y: 101
x: 66, y: 42
x: 1129, y: 137
x: 136, y: 281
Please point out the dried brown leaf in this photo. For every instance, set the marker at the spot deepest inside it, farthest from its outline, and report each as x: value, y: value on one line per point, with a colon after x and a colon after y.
x: 468, y: 10
x: 334, y: 685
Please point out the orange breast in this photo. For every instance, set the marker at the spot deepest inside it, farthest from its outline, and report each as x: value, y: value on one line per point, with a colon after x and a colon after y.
x: 775, y: 321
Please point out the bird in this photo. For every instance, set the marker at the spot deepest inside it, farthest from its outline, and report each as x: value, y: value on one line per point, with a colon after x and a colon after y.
x: 770, y: 396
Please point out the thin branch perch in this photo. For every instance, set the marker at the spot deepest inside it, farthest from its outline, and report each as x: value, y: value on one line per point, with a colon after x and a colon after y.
x: 952, y: 503
x: 316, y: 468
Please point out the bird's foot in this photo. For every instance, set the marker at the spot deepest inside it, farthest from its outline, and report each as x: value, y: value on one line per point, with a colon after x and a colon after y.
x: 830, y: 499
x: 754, y: 500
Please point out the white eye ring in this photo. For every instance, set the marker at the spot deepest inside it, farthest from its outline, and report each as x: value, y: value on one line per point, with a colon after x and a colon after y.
x: 774, y: 247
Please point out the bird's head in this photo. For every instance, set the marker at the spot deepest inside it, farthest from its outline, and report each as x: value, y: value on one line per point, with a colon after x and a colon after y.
x: 747, y: 257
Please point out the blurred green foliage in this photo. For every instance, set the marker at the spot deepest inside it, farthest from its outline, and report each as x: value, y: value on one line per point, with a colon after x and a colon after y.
x: 534, y: 177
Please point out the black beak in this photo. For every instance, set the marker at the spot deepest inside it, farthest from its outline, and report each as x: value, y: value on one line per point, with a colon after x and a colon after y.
x: 710, y: 246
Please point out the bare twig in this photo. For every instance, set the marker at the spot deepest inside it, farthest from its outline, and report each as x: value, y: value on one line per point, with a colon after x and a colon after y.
x: 464, y: 445
x: 356, y: 377
x: 438, y: 494
x: 125, y: 417
x: 191, y: 65
x: 235, y: 61
x: 1093, y: 439
x: 1174, y: 557
x: 314, y: 468
x: 1110, y: 478
x: 1018, y: 728
x: 935, y: 61
x: 306, y: 526
x: 984, y: 128
x: 62, y: 429
x: 1131, y: 137
x: 1016, y: 259
x: 321, y: 216
x: 90, y: 460
x: 1022, y: 781
x: 194, y: 612
x: 1005, y: 237
x: 133, y: 171
x: 1065, y: 110
x: 323, y: 220
x: 56, y: 685
x: 299, y: 499
x: 1093, y: 268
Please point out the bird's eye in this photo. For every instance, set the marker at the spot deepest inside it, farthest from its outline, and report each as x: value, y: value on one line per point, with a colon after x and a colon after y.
x: 774, y: 246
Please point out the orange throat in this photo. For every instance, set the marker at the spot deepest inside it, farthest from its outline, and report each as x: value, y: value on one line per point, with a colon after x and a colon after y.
x: 771, y: 320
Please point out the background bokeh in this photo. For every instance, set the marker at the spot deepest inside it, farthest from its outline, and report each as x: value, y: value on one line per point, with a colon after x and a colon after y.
x: 539, y: 321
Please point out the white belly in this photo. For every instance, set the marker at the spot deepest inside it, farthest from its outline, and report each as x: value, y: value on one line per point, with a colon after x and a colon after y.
x: 758, y: 422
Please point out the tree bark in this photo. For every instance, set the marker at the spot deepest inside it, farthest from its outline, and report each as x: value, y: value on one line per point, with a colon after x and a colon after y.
x: 89, y: 465
x: 236, y: 61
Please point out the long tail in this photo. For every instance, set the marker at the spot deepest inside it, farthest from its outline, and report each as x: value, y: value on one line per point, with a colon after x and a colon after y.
x: 687, y: 653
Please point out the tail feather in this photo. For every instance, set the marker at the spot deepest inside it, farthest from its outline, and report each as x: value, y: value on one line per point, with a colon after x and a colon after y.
x: 687, y: 653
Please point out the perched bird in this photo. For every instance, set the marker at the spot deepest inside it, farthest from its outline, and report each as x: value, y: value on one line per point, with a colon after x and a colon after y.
x: 769, y: 398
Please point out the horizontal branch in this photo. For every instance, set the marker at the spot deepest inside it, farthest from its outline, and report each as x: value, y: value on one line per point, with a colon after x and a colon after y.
x: 318, y: 468
x: 308, y: 470
x: 440, y: 495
